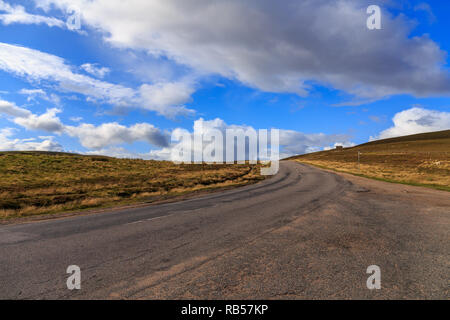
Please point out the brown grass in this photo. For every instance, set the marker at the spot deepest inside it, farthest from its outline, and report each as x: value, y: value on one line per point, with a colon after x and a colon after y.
x: 34, y: 183
x: 422, y: 159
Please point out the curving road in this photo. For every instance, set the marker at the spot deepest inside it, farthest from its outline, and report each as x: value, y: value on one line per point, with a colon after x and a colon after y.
x: 302, y: 234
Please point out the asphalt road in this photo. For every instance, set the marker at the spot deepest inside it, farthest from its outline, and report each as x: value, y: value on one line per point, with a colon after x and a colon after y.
x: 302, y: 234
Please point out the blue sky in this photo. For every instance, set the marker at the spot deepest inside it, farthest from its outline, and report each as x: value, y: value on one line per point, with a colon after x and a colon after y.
x: 129, y: 76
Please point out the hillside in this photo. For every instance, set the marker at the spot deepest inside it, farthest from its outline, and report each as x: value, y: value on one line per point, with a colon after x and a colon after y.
x: 50, y: 182
x: 420, y: 159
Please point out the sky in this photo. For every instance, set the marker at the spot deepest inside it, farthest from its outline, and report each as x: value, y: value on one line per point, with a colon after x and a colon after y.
x: 117, y: 78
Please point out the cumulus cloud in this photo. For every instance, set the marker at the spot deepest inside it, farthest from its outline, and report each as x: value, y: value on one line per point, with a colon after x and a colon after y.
x: 47, y: 121
x: 295, y: 142
x: 106, y: 138
x: 89, y: 135
x: 32, y: 144
x: 11, y: 109
x: 160, y: 95
x: 291, y: 142
x: 10, y: 14
x: 160, y: 154
x: 416, y: 120
x: 277, y: 48
x: 35, y: 66
x: 106, y: 134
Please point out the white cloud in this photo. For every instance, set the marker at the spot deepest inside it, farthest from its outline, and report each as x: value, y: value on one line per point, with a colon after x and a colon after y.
x: 36, y: 66
x: 291, y: 142
x: 105, y: 138
x: 10, y: 14
x: 160, y: 95
x: 416, y: 120
x: 277, y: 48
x: 90, y: 136
x: 11, y: 109
x: 160, y: 154
x: 295, y: 142
x: 47, y: 121
x: 92, y: 69
x: 106, y: 134
x: 8, y: 144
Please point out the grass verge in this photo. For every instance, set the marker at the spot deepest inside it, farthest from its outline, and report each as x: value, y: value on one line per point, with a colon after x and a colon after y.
x: 411, y: 183
x: 419, y: 160
x: 37, y: 183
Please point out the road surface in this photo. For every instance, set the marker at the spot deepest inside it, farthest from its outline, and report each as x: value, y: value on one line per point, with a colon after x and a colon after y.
x: 302, y: 234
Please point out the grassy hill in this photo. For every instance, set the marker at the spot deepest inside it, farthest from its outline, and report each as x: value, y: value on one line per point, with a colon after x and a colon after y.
x: 50, y: 182
x: 419, y: 159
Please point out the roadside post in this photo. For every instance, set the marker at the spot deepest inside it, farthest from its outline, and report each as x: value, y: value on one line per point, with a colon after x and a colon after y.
x: 359, y: 156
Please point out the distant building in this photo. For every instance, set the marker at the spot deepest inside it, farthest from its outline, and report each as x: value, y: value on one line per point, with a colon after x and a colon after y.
x: 339, y: 147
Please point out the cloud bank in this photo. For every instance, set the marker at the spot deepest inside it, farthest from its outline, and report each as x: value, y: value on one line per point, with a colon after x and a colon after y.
x: 89, y: 135
x: 291, y: 142
x: 416, y: 120
x: 166, y: 99
x: 276, y: 48
x: 106, y: 138
x: 31, y: 144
